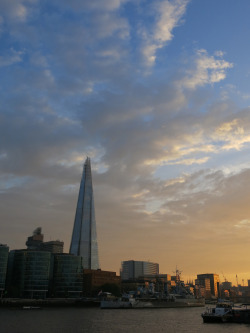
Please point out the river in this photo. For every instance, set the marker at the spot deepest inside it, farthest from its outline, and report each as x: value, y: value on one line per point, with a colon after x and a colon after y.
x: 95, y: 320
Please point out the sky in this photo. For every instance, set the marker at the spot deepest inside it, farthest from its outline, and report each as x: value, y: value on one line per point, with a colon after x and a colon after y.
x: 157, y: 94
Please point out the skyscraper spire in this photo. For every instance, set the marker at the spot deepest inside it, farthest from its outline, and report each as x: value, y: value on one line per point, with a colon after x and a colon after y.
x: 84, y: 239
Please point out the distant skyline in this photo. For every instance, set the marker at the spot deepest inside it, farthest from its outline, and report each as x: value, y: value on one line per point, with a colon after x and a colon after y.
x: 157, y: 94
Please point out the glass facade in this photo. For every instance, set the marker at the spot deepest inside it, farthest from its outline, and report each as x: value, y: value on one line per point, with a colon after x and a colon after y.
x: 67, y: 276
x: 134, y: 269
x: 29, y: 273
x: 4, y: 253
x: 84, y: 238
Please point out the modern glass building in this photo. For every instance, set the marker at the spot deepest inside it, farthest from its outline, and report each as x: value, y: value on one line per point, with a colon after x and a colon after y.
x: 67, y: 276
x: 4, y: 253
x: 132, y: 269
x: 84, y: 238
x: 29, y: 273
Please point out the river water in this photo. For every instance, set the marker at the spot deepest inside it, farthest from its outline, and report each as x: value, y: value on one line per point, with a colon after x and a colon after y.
x: 95, y: 320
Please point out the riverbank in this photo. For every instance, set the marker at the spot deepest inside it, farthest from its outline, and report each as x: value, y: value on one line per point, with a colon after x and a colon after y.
x: 49, y: 302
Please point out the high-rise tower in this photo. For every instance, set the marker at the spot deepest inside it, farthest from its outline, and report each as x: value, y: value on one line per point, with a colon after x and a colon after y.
x: 84, y: 239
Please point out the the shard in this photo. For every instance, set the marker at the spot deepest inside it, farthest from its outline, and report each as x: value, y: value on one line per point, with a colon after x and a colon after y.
x: 84, y: 238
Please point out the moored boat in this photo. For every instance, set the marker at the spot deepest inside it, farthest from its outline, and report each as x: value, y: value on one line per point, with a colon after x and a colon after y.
x: 226, y: 312
x: 176, y: 297
x: 128, y: 302
x: 220, y: 314
x: 125, y: 302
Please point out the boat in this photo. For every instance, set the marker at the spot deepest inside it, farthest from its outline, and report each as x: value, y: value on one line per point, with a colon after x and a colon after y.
x: 226, y: 312
x: 125, y: 302
x: 129, y: 302
x: 180, y: 296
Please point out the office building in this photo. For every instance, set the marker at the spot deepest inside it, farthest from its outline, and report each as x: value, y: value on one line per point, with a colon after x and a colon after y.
x: 29, y: 273
x: 52, y: 246
x: 67, y: 276
x: 132, y: 269
x: 84, y: 238
x: 4, y: 253
x: 214, y: 282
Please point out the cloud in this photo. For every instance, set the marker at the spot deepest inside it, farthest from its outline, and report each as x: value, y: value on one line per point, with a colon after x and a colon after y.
x: 208, y: 70
x: 10, y: 57
x: 16, y: 10
x: 233, y: 134
x: 243, y: 224
x: 72, y: 85
x: 168, y: 15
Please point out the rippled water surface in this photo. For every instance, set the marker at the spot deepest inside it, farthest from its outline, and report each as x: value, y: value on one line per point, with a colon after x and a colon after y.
x: 76, y: 320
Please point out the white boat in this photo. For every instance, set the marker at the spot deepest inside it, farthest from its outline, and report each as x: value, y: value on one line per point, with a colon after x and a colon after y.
x: 125, y: 302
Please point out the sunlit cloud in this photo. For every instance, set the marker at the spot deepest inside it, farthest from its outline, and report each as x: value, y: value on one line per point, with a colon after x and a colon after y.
x: 208, y: 70
x: 232, y: 134
x: 168, y: 14
x: 169, y: 150
x: 140, y: 194
x: 243, y: 224
x: 190, y: 161
x: 175, y: 181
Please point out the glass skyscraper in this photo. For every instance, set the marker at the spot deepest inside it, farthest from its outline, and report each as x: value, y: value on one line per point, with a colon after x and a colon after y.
x: 84, y: 239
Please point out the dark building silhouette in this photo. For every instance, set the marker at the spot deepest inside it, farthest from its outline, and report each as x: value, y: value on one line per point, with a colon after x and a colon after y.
x: 52, y: 246
x: 4, y: 253
x: 35, y: 242
x: 93, y: 280
x: 212, y: 281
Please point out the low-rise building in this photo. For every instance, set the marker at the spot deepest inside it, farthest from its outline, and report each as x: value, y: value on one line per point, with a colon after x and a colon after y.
x: 93, y: 280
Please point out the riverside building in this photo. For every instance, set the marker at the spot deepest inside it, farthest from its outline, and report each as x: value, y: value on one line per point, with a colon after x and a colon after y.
x: 67, y: 275
x: 211, y: 281
x: 84, y: 238
x: 93, y: 280
x: 29, y: 273
x: 132, y: 270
